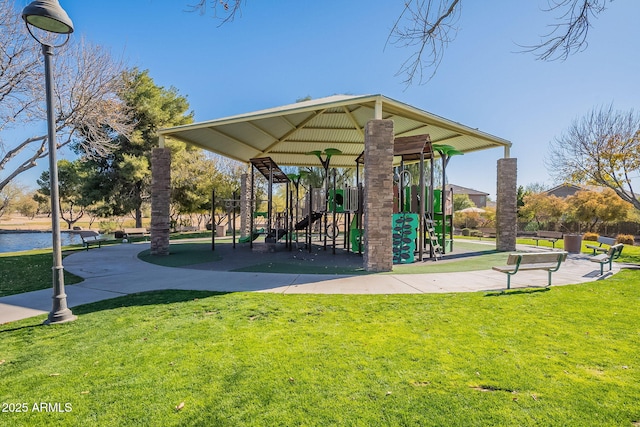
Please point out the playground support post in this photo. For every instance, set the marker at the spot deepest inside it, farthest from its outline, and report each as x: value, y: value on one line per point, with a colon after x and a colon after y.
x: 421, y: 223
x: 309, y: 209
x: 233, y: 206
x: 334, y: 212
x: 287, y: 218
x: 213, y: 225
x: 401, y: 186
x: 270, y: 200
x: 443, y: 203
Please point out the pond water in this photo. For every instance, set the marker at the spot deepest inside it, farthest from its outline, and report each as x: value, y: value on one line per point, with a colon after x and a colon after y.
x: 12, y: 242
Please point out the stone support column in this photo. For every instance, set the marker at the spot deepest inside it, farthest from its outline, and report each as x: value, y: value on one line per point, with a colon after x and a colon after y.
x: 378, y: 195
x: 160, y: 197
x: 507, y: 204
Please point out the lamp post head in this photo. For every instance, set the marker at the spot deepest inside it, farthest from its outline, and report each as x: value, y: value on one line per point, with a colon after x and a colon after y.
x: 48, y: 15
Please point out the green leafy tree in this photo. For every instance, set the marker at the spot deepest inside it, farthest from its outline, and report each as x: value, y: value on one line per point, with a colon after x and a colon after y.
x: 121, y: 180
x: 10, y: 194
x: 70, y: 182
x: 26, y: 205
x: 462, y: 201
x: 194, y: 177
x: 44, y: 203
x: 520, y: 199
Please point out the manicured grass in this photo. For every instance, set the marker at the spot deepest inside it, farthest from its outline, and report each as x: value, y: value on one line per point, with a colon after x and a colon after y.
x: 28, y: 271
x: 561, y: 357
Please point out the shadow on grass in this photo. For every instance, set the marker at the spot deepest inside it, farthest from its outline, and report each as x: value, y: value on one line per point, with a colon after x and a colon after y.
x: 145, y: 298
x: 139, y: 299
x: 524, y: 291
x: 20, y: 328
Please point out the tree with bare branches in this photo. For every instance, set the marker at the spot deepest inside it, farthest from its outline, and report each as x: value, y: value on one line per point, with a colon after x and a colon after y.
x: 568, y: 34
x: 601, y: 148
x: 88, y: 111
x: 224, y: 10
x: 427, y: 27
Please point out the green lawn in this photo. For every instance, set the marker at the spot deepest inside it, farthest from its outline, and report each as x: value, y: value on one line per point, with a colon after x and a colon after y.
x: 568, y: 356
x: 565, y: 356
x: 28, y: 271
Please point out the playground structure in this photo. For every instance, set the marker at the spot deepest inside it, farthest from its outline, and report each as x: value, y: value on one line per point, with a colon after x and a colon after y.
x: 351, y: 124
x: 422, y: 219
x: 310, y: 219
x: 423, y: 215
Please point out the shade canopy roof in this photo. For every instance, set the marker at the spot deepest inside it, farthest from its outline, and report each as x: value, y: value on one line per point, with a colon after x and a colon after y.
x: 287, y: 134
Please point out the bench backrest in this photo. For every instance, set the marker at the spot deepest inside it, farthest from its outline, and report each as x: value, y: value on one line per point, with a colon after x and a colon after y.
x: 135, y: 230
x: 615, y: 251
x: 606, y: 240
x: 487, y: 230
x: 550, y: 234
x: 536, y: 258
x: 88, y: 233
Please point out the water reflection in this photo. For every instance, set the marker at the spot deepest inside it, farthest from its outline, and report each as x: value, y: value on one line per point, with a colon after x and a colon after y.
x: 12, y: 242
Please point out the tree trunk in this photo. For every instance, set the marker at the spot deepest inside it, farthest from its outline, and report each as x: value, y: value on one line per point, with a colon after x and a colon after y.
x: 138, y: 217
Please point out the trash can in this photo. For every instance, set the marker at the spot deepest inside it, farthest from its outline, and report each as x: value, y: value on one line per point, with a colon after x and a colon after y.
x: 573, y: 243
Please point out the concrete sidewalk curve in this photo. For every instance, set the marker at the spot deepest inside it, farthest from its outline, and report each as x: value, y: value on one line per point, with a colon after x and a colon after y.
x: 113, y: 271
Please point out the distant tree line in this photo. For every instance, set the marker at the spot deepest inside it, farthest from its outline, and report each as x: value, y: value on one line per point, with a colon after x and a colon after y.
x: 589, y: 210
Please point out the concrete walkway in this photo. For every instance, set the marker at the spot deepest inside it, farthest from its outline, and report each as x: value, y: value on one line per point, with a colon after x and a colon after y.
x: 114, y: 271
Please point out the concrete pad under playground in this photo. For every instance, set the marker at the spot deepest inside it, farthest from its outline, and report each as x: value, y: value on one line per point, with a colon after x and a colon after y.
x: 113, y: 271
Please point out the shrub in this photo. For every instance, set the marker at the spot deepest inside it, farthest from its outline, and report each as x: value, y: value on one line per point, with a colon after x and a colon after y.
x: 107, y: 226
x: 627, y: 239
x: 466, y: 232
x: 532, y: 226
x: 590, y: 236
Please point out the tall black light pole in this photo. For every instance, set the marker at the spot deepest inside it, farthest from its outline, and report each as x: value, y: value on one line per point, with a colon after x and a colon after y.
x: 47, y: 15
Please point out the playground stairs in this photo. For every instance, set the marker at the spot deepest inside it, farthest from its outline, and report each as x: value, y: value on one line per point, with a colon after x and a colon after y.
x: 434, y: 242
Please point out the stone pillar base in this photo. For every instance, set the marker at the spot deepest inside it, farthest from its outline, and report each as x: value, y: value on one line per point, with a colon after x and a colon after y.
x: 507, y: 204
x: 160, y: 198
x: 378, y: 195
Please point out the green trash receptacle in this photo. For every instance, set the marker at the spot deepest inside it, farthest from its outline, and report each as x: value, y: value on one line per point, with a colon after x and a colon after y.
x: 573, y: 243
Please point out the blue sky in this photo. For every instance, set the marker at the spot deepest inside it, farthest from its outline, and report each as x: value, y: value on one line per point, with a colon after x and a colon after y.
x: 277, y: 52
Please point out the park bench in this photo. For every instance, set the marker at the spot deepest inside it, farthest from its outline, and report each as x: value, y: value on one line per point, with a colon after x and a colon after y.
x: 186, y: 228
x: 90, y: 237
x: 130, y: 232
x: 550, y: 236
x: 487, y: 232
x: 547, y: 261
x: 609, y: 241
x: 607, y: 258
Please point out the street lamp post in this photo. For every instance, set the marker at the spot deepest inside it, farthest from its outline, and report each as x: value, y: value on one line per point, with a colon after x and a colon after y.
x: 47, y: 15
